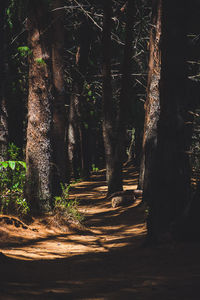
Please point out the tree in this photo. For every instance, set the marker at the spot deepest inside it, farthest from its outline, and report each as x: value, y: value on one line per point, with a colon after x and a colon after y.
x: 114, y: 181
x: 78, y: 129
x: 114, y: 128
x: 59, y: 109
x: 127, y: 96
x: 3, y: 102
x: 39, y: 143
x: 152, y: 104
x: 167, y: 189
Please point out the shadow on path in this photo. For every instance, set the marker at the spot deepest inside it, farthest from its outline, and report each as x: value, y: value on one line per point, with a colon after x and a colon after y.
x: 114, y: 265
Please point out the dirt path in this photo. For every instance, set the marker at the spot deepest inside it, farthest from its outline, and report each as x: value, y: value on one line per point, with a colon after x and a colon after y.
x: 105, y: 259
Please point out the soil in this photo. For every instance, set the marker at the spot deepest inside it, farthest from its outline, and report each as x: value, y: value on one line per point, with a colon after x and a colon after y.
x: 105, y: 258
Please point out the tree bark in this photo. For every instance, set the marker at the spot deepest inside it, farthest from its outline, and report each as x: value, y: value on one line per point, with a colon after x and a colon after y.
x: 114, y: 130
x: 59, y: 109
x: 39, y: 143
x: 73, y: 139
x: 127, y: 92
x: 108, y: 111
x: 152, y: 104
x: 167, y: 189
x: 3, y: 104
x: 78, y: 133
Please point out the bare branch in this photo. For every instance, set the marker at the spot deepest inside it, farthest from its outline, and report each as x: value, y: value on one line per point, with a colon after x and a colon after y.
x: 67, y: 7
x: 113, y: 35
x: 86, y: 12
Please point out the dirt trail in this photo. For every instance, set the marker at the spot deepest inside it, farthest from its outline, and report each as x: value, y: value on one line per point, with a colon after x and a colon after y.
x: 106, y: 259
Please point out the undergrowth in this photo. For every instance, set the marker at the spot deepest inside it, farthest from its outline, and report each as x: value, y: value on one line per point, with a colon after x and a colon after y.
x: 67, y: 207
x: 12, y: 200
x: 12, y: 180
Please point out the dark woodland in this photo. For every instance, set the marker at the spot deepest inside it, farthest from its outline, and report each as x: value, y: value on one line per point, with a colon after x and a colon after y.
x: 99, y: 148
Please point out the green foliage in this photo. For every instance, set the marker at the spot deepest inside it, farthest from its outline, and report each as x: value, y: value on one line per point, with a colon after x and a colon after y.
x: 12, y: 179
x: 12, y: 171
x: 94, y: 168
x: 12, y: 201
x: 13, y: 152
x: 77, y: 180
x: 24, y: 51
x: 66, y: 205
x: 89, y: 93
x: 9, y: 14
x: 40, y: 61
x: 12, y: 174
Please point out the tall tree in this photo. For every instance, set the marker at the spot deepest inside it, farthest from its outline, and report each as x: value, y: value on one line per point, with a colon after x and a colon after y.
x: 3, y: 102
x: 114, y: 182
x: 114, y: 129
x: 73, y: 139
x: 127, y: 96
x: 59, y: 109
x: 167, y: 190
x: 39, y: 144
x: 152, y: 104
x: 78, y: 133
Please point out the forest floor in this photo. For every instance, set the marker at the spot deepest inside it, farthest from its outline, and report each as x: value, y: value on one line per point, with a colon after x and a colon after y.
x: 106, y: 258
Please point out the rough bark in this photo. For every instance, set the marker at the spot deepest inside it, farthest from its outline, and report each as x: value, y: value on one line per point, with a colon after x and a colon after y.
x: 78, y: 134
x: 152, y: 104
x: 3, y: 106
x: 126, y: 94
x: 167, y: 190
x: 114, y: 131
x: 59, y: 109
x: 39, y: 144
x: 108, y: 111
x: 138, y: 146
x: 73, y: 139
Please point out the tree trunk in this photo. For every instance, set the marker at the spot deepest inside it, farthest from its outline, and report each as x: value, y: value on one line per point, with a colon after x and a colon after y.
x: 138, y: 146
x: 73, y: 139
x: 59, y: 110
x: 39, y: 144
x: 78, y: 133
x: 3, y: 106
x: 167, y: 188
x: 114, y: 130
x: 127, y: 93
x: 152, y: 104
x: 114, y: 182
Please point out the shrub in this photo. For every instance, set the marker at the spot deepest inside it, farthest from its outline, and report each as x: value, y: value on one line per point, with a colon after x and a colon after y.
x: 12, y: 180
x: 67, y: 206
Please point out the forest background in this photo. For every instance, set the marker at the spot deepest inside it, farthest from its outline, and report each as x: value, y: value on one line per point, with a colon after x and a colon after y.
x: 87, y: 85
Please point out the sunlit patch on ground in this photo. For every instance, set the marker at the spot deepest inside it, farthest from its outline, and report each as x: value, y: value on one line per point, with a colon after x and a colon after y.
x: 104, y: 259
x: 104, y: 228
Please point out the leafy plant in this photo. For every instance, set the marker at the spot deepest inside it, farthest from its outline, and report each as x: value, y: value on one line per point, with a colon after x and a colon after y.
x: 66, y: 205
x: 13, y: 152
x: 40, y: 61
x: 12, y: 201
x: 12, y: 179
x: 9, y: 14
x: 94, y: 168
x: 12, y: 174
x: 24, y: 51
